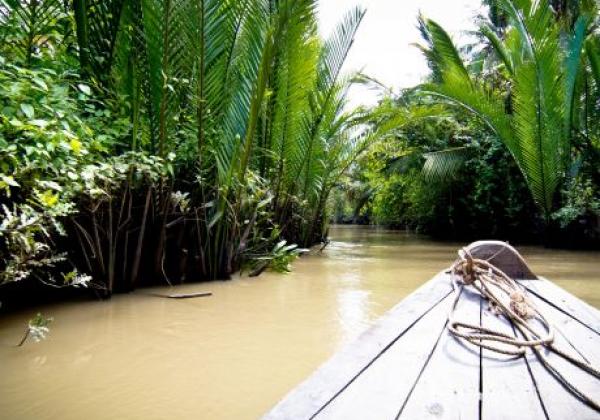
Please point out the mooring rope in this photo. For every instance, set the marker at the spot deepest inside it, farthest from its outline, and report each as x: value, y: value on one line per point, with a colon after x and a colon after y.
x: 509, y: 299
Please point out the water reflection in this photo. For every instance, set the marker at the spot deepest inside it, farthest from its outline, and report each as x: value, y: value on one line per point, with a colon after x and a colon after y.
x: 353, y: 312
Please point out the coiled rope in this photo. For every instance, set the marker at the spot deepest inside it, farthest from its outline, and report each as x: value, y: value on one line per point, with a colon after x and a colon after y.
x: 509, y: 299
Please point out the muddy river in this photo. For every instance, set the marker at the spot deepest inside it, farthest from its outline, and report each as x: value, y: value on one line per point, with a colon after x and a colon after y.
x: 235, y: 354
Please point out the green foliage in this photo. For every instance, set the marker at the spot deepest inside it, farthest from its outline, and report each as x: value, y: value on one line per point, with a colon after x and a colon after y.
x: 44, y: 146
x: 278, y: 259
x: 542, y: 73
x: 56, y: 144
x: 508, y: 124
x: 391, y: 205
x: 582, y: 200
x: 486, y: 197
x: 37, y: 328
x: 37, y: 27
x: 167, y: 139
x: 448, y: 176
x: 443, y: 165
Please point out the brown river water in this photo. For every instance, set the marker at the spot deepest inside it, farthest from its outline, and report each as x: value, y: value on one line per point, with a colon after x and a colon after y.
x: 235, y: 354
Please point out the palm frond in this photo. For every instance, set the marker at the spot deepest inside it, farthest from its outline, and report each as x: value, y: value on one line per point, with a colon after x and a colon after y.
x: 337, y: 46
x: 443, y: 165
x: 485, y: 104
x: 503, y: 53
x: 573, y: 66
x: 327, y: 101
x: 403, y: 162
x: 442, y: 54
x: 592, y: 48
x: 536, y: 129
x: 98, y: 23
x: 296, y: 81
x: 31, y: 24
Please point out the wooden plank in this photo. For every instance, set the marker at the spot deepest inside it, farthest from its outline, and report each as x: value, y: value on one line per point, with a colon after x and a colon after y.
x: 449, y: 386
x: 334, y: 376
x: 508, y: 389
x: 559, y: 403
x: 379, y: 391
x: 578, y: 334
x: 565, y: 302
x: 573, y: 336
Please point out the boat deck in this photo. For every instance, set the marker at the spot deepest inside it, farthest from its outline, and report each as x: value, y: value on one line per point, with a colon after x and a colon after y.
x: 408, y: 366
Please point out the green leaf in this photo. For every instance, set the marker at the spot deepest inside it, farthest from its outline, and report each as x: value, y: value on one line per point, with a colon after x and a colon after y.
x: 85, y: 89
x: 48, y: 198
x: 215, y: 219
x: 28, y: 110
x: 443, y: 165
x: 40, y: 123
x: 40, y: 83
x: 75, y: 146
x: 9, y: 180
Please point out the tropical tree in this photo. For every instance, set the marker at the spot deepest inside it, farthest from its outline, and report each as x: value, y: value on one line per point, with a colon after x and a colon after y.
x: 242, y: 103
x: 535, y: 114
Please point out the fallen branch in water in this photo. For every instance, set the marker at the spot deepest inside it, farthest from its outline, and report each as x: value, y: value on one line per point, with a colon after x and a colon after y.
x: 24, y: 337
x: 37, y: 328
x: 259, y: 269
x: 183, y: 295
x: 325, y: 243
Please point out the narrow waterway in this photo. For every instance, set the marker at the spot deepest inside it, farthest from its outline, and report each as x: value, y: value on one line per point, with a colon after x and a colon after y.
x: 234, y: 354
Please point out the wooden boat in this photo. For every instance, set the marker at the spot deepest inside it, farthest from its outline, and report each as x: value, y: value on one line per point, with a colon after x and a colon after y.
x: 409, y: 365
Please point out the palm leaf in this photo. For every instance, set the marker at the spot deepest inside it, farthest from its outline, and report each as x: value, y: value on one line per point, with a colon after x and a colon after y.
x: 98, y: 23
x: 337, y: 46
x: 573, y: 66
x: 443, y: 165
x: 503, y: 53
x: 325, y: 102
x: 31, y: 24
x: 536, y: 131
x: 441, y: 53
x: 592, y: 48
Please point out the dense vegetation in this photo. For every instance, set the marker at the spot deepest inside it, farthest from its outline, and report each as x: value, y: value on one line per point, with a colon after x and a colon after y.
x: 146, y: 141
x: 167, y: 140
x: 503, y: 140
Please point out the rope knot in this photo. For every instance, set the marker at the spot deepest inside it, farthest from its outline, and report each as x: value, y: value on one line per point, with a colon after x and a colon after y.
x: 468, y: 267
x: 519, y: 305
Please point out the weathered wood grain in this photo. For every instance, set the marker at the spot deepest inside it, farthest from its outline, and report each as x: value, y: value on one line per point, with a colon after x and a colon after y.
x: 572, y: 336
x: 448, y: 387
x: 390, y: 378
x: 566, y: 303
x: 579, y: 335
x: 504, y: 256
x: 508, y: 389
x: 334, y: 376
